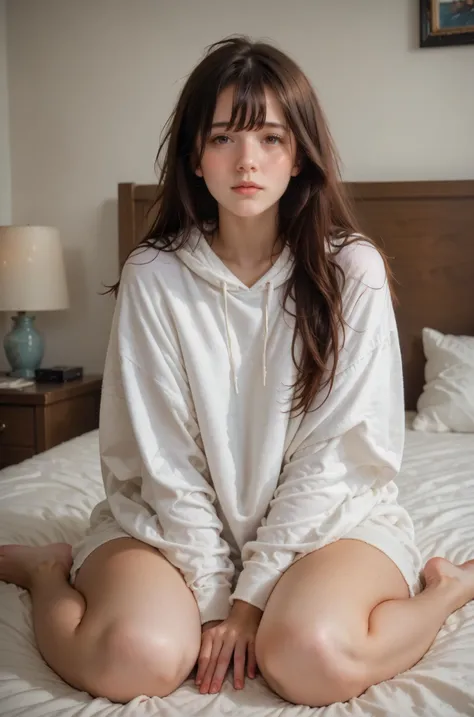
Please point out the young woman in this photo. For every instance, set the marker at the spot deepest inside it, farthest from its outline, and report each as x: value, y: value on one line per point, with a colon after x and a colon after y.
x: 252, y: 426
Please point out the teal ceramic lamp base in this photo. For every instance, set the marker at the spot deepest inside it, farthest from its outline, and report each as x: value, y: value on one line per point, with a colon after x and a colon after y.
x: 24, y: 346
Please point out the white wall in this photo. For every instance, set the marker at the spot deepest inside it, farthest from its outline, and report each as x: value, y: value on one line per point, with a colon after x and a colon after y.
x: 5, y: 177
x: 92, y: 83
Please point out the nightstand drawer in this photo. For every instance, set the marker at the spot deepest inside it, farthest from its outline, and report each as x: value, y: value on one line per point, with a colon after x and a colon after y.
x: 44, y: 414
x: 15, y: 454
x: 17, y: 426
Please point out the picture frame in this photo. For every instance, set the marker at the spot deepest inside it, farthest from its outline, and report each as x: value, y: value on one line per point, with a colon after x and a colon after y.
x: 446, y: 22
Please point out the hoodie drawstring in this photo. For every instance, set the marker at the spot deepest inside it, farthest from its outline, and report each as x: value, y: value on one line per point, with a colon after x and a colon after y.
x: 229, y: 342
x: 269, y: 293
x: 265, y: 335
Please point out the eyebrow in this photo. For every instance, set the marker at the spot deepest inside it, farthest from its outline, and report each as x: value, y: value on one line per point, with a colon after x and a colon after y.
x: 267, y: 124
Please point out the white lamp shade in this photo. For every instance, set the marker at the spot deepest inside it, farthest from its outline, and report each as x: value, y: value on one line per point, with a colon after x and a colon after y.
x: 32, y: 275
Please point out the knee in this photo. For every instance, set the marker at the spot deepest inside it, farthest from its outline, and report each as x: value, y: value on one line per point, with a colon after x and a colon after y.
x: 309, y: 666
x: 128, y: 662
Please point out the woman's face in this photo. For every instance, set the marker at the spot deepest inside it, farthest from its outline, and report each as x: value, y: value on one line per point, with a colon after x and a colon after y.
x: 264, y: 157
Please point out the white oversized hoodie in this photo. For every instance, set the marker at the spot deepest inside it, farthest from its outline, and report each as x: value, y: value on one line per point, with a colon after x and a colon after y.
x: 200, y: 456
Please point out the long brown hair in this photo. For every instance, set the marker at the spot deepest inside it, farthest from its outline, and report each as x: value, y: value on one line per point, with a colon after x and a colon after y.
x: 313, y: 210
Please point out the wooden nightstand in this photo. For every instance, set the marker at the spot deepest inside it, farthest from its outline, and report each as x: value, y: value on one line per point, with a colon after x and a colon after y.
x: 41, y: 416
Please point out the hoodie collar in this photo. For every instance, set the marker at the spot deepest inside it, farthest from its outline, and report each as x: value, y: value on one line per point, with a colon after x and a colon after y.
x: 199, y: 257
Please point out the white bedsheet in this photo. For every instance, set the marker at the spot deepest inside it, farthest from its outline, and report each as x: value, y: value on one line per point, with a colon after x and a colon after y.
x: 49, y: 498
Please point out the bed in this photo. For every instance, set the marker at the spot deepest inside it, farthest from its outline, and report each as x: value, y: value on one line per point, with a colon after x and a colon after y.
x: 427, y: 229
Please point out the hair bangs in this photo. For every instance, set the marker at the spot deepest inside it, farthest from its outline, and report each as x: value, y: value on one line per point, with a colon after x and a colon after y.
x: 249, y: 105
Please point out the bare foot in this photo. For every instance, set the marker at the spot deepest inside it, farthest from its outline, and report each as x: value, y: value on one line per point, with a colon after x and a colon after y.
x: 18, y: 563
x: 457, y: 578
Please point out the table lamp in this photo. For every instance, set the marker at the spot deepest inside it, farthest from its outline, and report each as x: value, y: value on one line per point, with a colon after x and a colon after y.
x: 32, y: 278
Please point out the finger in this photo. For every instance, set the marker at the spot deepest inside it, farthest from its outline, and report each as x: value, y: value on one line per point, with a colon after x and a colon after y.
x: 222, y: 665
x: 239, y: 664
x: 204, y: 657
x: 211, y: 666
x: 251, y: 660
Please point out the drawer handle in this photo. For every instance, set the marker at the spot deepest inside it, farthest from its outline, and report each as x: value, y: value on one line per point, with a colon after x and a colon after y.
x: 2, y: 427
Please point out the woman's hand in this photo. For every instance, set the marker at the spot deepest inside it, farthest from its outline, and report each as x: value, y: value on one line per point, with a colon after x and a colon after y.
x: 222, y: 639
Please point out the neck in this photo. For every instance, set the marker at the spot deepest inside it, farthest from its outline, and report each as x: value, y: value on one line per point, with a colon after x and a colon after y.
x: 247, y: 241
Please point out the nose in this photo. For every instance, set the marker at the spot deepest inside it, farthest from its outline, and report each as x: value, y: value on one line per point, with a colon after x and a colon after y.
x: 247, y: 160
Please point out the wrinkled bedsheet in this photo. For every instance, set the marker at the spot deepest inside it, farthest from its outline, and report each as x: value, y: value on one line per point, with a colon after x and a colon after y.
x: 49, y: 497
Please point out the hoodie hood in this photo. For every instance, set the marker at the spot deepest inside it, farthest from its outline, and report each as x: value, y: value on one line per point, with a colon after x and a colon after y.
x: 199, y: 257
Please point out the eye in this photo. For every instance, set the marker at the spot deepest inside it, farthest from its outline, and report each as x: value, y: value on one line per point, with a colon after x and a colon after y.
x: 219, y: 139
x: 274, y: 139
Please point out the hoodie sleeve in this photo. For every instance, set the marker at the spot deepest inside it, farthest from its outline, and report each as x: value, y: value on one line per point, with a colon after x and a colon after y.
x: 344, y: 452
x: 155, y: 472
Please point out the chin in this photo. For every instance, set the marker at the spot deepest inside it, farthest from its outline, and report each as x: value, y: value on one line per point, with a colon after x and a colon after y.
x: 242, y: 213
x: 246, y: 208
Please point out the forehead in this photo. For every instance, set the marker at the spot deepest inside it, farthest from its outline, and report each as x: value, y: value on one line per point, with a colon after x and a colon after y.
x: 223, y: 109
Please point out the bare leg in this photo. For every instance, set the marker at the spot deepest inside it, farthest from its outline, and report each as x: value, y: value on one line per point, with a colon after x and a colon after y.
x: 340, y: 620
x: 140, y: 633
x: 57, y: 608
x: 400, y: 632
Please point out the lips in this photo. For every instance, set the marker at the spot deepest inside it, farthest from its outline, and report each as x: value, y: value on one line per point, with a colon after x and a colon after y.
x: 247, y: 185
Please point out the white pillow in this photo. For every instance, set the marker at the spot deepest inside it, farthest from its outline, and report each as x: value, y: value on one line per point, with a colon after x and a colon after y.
x: 447, y: 401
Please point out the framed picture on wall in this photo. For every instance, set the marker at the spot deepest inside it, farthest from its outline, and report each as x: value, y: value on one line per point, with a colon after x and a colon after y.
x: 446, y: 22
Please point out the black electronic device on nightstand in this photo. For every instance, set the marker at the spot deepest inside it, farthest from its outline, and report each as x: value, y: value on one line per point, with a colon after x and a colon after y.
x: 58, y: 374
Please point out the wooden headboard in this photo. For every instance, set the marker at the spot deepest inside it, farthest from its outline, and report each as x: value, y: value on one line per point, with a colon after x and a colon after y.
x: 427, y: 231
